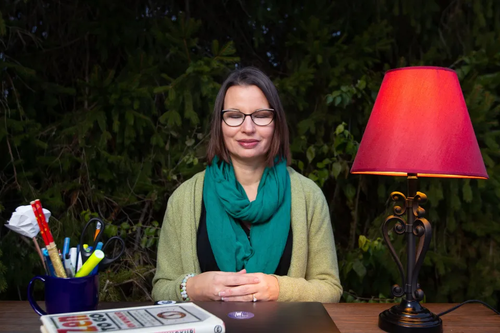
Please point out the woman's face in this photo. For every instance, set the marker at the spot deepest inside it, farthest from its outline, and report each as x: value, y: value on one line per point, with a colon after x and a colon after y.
x: 247, y: 142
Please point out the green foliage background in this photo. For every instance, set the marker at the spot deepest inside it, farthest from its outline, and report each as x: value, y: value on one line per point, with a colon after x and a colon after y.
x: 105, y: 110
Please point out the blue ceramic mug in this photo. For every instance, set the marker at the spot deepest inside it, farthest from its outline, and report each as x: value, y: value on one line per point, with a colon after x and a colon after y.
x: 66, y: 294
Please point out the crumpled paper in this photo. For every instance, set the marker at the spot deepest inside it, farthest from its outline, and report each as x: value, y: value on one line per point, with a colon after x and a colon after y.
x: 23, y: 221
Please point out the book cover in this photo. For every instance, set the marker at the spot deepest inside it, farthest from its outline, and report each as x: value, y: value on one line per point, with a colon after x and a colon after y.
x: 170, y: 318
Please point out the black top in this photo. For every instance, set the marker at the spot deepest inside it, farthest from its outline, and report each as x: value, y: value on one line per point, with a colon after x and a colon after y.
x: 206, y: 255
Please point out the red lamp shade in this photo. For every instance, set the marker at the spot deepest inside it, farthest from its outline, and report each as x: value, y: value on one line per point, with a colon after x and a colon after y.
x: 420, y: 124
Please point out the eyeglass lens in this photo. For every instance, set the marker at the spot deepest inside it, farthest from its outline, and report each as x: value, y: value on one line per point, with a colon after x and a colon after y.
x: 260, y: 117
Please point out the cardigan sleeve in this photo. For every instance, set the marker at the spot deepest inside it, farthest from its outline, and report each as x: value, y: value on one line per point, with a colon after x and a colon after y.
x: 321, y: 282
x: 169, y: 274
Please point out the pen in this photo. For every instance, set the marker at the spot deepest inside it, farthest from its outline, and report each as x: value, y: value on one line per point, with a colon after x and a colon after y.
x: 66, y: 248
x: 72, y: 257
x: 48, y: 262
x: 70, y: 270
x: 65, y: 254
x: 90, y: 264
x: 78, y: 259
x: 67, y: 262
x: 87, y: 248
x: 96, y: 269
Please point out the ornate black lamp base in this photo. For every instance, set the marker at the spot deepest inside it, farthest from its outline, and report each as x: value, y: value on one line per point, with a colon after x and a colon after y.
x: 409, y: 317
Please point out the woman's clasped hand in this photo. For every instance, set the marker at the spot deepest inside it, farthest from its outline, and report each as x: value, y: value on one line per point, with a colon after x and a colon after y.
x: 233, y: 287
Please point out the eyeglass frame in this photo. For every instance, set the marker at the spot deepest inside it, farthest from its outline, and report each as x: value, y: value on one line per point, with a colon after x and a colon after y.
x: 247, y: 115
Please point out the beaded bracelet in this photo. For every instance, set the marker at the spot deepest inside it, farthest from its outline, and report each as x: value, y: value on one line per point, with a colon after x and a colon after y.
x: 183, y: 288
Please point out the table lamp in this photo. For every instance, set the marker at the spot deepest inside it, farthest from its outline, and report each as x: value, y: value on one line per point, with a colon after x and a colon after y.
x: 419, y: 127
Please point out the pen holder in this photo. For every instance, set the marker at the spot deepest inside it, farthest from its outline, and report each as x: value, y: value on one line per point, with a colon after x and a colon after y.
x: 66, y: 294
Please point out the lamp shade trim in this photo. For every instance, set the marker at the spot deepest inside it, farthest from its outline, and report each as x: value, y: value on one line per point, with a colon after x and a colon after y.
x: 420, y: 68
x: 419, y: 174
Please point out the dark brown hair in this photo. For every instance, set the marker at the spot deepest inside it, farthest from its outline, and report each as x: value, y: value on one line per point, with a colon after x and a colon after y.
x: 250, y: 76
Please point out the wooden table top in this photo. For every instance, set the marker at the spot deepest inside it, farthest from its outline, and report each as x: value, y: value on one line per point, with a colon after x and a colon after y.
x: 17, y: 316
x: 363, y: 317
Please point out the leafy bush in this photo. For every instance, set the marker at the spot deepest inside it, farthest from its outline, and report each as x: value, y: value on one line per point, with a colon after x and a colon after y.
x: 105, y: 110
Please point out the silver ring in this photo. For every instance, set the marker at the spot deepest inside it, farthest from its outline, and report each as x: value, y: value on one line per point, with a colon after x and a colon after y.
x: 254, y: 299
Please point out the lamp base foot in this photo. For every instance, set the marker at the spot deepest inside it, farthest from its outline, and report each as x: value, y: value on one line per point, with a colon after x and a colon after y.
x: 409, y: 317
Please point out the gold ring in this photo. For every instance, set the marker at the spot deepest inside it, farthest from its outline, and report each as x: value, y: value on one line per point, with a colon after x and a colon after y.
x: 254, y: 299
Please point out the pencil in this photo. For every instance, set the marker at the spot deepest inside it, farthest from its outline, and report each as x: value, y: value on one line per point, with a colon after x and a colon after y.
x: 97, y: 230
x: 40, y: 254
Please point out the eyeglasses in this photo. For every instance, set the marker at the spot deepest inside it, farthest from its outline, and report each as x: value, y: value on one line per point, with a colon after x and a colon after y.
x: 260, y: 117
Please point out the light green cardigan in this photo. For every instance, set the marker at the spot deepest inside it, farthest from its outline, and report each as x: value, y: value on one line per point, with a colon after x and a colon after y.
x: 313, y: 274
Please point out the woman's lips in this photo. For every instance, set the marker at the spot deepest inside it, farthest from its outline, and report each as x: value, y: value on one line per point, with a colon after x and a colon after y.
x: 248, y: 143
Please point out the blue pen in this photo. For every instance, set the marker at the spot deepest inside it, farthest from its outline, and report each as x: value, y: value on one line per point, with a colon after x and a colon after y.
x: 50, y: 267
x: 65, y: 252
x: 96, y: 269
x: 67, y: 260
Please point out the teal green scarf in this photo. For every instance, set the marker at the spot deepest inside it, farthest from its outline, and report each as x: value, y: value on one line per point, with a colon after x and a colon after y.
x: 226, y: 202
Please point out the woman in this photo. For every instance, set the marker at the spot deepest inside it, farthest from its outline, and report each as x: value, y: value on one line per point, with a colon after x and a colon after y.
x: 248, y: 228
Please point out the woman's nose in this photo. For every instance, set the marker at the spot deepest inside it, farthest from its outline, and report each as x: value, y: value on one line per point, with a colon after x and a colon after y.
x: 248, y: 126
